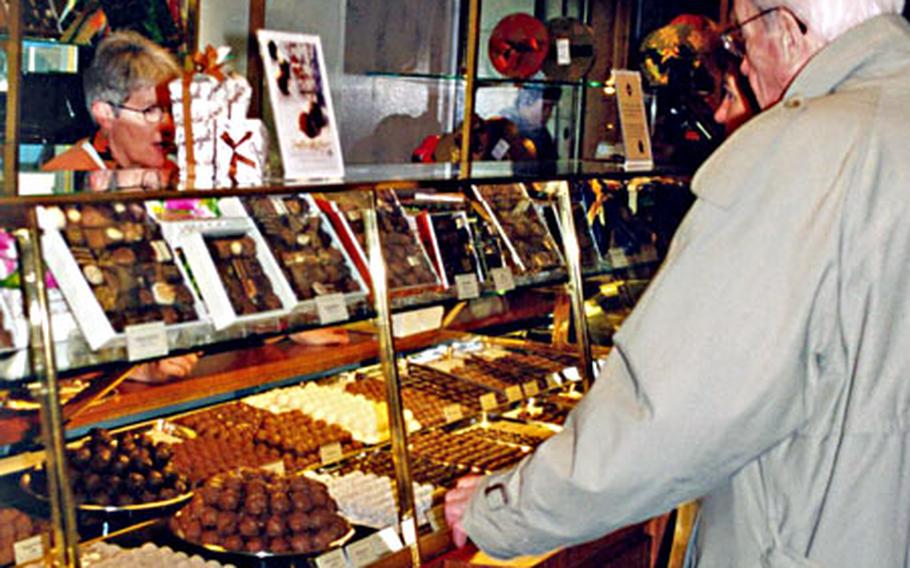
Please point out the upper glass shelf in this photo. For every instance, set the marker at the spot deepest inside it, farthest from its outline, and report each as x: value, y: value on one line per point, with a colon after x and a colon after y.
x: 107, y: 185
x: 486, y: 81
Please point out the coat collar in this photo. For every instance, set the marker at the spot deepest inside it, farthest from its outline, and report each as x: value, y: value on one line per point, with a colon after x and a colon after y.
x: 725, y: 175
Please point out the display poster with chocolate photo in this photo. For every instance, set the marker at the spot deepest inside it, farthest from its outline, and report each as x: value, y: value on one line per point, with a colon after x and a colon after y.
x: 301, y: 104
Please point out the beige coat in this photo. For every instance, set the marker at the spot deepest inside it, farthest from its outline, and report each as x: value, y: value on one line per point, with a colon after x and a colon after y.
x: 767, y: 368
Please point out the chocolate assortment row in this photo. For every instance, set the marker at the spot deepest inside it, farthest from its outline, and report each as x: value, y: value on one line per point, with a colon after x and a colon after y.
x: 424, y: 471
x: 248, y: 288
x: 257, y: 511
x: 428, y: 409
x: 522, y: 226
x: 445, y: 387
x: 455, y: 243
x: 241, y: 435
x: 306, y: 252
x: 128, y: 265
x: 405, y: 257
x: 469, y: 448
x: 120, y: 470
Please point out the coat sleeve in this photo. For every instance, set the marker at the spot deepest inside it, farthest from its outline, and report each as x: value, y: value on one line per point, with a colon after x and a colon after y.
x: 712, y: 368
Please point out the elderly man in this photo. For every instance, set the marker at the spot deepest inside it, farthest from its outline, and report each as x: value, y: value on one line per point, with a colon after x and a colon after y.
x: 766, y: 370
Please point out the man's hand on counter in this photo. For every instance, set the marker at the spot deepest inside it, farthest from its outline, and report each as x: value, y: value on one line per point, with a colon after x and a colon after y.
x: 457, y: 500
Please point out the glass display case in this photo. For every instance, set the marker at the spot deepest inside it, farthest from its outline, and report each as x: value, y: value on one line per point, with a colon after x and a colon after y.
x: 355, y: 344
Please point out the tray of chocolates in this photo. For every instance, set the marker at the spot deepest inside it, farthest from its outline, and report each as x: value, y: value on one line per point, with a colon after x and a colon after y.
x: 408, y: 266
x: 119, y: 473
x: 255, y: 513
x: 427, y: 408
x: 470, y: 448
x: 588, y: 251
x: 450, y: 242
x: 16, y: 526
x: 117, y: 268
x: 529, y: 242
x: 238, y: 278
x: 445, y: 386
x: 303, y: 243
x: 380, y: 463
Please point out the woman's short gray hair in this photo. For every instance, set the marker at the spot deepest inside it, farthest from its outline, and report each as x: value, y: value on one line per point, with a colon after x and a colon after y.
x: 831, y: 18
x: 126, y: 61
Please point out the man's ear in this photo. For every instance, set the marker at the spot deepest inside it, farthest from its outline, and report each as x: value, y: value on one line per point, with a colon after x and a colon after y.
x: 794, y: 37
x: 103, y: 113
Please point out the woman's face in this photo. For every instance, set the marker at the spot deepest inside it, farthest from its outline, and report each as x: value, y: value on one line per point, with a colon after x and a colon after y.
x: 135, y: 141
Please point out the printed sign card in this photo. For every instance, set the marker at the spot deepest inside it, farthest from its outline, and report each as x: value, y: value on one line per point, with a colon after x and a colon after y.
x: 301, y: 104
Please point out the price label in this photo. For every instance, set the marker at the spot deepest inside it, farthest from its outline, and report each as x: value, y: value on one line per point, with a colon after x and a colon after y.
x: 571, y: 374
x: 330, y: 453
x: 500, y: 149
x: 146, y: 341
x: 29, y: 550
x: 531, y: 389
x: 386, y: 541
x: 618, y: 257
x: 274, y: 467
x: 362, y: 552
x: 563, y: 51
x: 513, y: 393
x: 332, y: 559
x: 467, y: 286
x: 488, y: 402
x: 437, y: 518
x: 502, y: 279
x: 331, y: 308
x: 553, y: 381
x: 453, y: 413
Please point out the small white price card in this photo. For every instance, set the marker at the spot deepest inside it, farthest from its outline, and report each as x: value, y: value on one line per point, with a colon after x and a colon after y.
x: 618, y: 257
x: 571, y: 374
x: 563, y: 51
x: 146, y: 341
x: 553, y: 381
x: 513, y: 393
x: 453, y: 413
x: 500, y: 149
x: 332, y: 559
x: 330, y: 453
x: 274, y: 467
x: 29, y: 550
x: 331, y: 308
x: 386, y: 541
x: 362, y: 552
x: 488, y: 402
x: 531, y: 388
x: 502, y: 279
x: 467, y: 285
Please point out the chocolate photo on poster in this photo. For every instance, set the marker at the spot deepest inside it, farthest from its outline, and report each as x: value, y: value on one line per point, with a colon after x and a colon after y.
x: 301, y: 104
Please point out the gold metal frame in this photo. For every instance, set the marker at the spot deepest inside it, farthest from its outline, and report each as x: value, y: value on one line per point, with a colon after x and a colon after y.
x: 407, y: 509
x: 572, y: 252
x: 13, y: 75
x: 470, y: 88
x: 65, y: 544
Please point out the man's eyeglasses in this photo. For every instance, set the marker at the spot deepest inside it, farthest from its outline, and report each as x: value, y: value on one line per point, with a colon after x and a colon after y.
x: 153, y: 114
x: 735, y: 42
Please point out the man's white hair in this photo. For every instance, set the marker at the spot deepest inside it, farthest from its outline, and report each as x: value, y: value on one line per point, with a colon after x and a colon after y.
x: 831, y: 18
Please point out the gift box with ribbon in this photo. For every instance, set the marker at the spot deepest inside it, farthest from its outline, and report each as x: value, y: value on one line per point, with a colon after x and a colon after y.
x: 207, y: 102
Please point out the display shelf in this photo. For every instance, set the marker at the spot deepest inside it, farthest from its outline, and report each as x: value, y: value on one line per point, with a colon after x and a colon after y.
x: 489, y: 81
x: 158, y: 185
